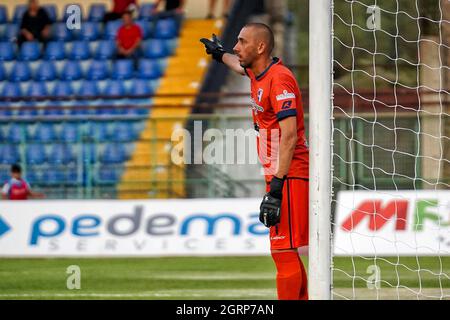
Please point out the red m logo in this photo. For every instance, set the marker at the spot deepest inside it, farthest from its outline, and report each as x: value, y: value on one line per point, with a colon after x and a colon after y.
x: 378, y: 215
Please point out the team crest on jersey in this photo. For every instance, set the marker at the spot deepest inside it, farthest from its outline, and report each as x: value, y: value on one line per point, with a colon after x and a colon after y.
x: 256, y: 107
x: 260, y: 94
x: 285, y: 95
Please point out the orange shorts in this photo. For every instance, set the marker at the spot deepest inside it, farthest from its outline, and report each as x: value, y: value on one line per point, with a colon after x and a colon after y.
x: 292, y: 231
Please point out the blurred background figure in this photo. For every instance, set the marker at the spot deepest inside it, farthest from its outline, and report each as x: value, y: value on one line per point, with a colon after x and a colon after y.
x: 119, y: 8
x: 129, y: 38
x: 212, y: 8
x: 173, y: 9
x: 35, y: 24
x: 18, y: 188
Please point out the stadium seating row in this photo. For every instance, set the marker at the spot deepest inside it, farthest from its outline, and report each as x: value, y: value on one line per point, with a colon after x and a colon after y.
x: 79, y: 50
x: 96, y: 12
x: 61, y: 154
x: 73, y: 70
x: 122, y: 131
x: 103, y: 174
x: 90, y: 31
x: 65, y: 89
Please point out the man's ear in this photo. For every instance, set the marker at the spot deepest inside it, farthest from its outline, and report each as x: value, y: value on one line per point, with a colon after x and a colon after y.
x: 261, y: 47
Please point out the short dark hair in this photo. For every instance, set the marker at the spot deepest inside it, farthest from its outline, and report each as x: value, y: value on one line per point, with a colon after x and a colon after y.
x: 16, y: 168
x: 268, y: 33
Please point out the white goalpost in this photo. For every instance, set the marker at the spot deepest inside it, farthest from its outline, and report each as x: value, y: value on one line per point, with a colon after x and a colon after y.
x: 379, y: 133
x: 320, y: 95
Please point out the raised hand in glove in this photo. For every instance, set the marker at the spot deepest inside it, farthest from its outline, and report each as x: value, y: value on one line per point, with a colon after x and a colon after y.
x: 214, y: 48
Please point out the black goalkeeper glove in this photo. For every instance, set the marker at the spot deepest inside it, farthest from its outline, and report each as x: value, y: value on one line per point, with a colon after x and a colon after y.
x: 214, y: 48
x: 270, y: 208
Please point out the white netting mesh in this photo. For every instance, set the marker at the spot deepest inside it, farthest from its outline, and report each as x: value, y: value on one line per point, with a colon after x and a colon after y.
x: 391, y: 133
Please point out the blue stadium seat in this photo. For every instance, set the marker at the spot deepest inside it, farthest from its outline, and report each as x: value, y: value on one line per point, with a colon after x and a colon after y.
x: 11, y: 90
x: 90, y: 31
x: 98, y: 70
x: 46, y: 71
x: 69, y: 132
x: 7, y: 51
x: 114, y: 88
x: 146, y: 28
x: 113, y: 153
x: 166, y: 29
x: 98, y: 131
x: 30, y: 51
x: 88, y: 88
x: 108, y: 175
x: 53, y: 176
x: 71, y: 71
x: 2, y: 71
x: 62, y: 89
x: 61, y: 154
x: 123, y: 132
x: 60, y: 32
x: 55, y: 50
x: 80, y: 50
x: 72, y: 176
x: 37, y: 89
x: 4, y: 174
x: 15, y: 133
x: 146, y: 11
x: 111, y: 29
x: 96, y: 12
x: 20, y: 71
x: 11, y: 32
x: 149, y: 69
x: 44, y: 132
x: 28, y: 110
x: 51, y: 11
x: 34, y: 176
x: 3, y: 14
x: 105, y: 49
x: 156, y: 49
x: 5, y: 111
x: 53, y: 109
x: 79, y: 111
x: 140, y: 87
x: 35, y: 154
x: 122, y: 69
x: 19, y: 11
x: 9, y: 154
x: 89, y: 153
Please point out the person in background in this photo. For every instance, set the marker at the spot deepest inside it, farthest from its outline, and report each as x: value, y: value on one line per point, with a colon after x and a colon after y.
x: 129, y: 38
x: 212, y: 8
x: 35, y: 25
x: 173, y: 8
x: 119, y: 8
x: 18, y: 188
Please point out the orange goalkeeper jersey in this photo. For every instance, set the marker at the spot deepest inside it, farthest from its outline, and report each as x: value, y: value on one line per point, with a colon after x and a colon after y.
x: 275, y: 95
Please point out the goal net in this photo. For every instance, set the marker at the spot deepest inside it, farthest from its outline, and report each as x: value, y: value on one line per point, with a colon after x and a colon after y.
x: 391, y: 149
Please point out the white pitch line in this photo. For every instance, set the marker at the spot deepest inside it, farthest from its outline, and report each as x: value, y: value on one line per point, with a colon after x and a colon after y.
x: 207, y: 293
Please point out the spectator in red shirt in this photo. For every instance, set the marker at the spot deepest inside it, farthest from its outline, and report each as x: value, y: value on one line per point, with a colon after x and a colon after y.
x: 119, y: 8
x: 18, y: 188
x: 129, y: 37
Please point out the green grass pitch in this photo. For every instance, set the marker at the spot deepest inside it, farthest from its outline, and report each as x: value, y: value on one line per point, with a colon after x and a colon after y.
x: 224, y: 278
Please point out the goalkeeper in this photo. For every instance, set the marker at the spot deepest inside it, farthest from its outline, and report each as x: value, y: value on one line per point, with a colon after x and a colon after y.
x: 282, y: 148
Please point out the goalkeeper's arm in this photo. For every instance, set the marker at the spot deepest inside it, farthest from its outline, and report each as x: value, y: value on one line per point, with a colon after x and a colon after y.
x: 215, y: 48
x: 232, y: 62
